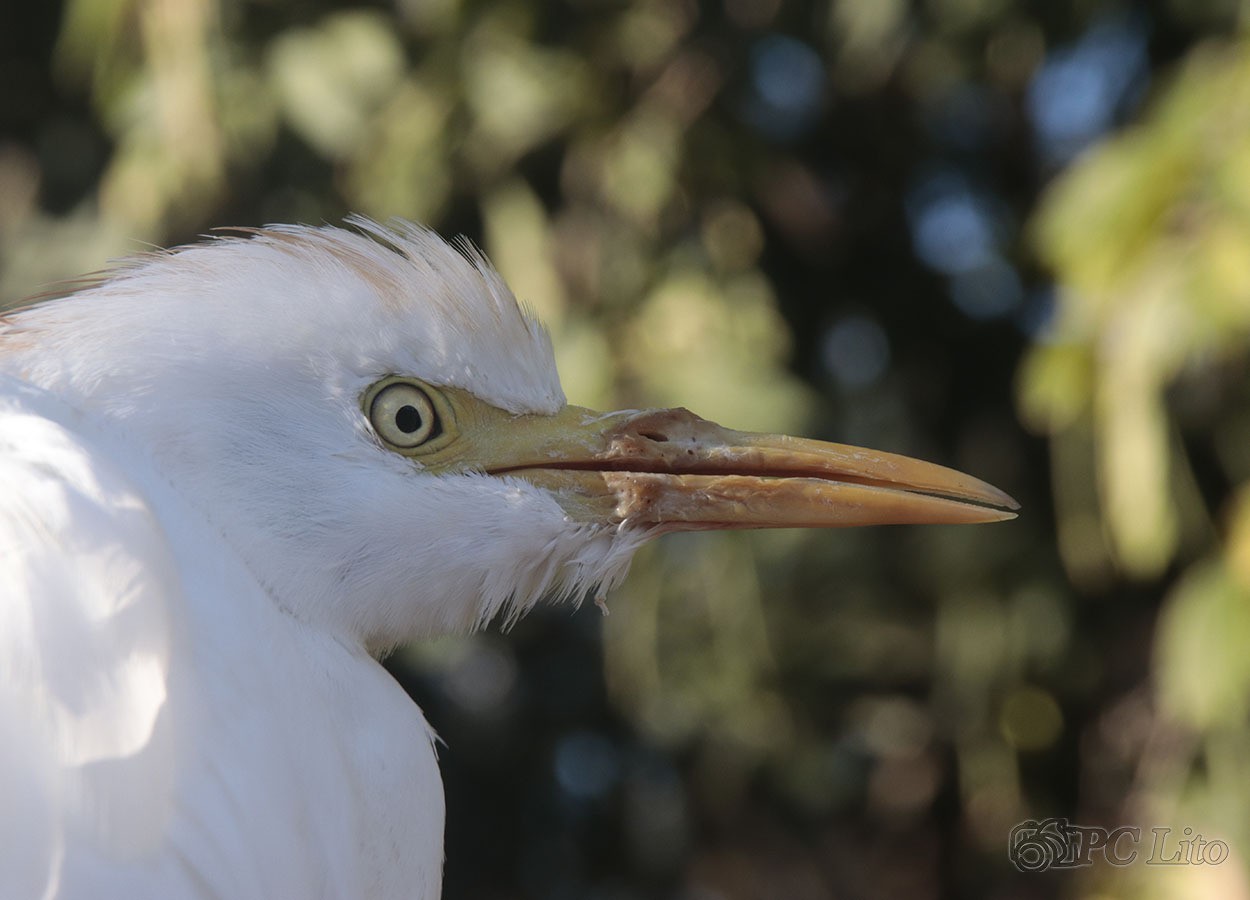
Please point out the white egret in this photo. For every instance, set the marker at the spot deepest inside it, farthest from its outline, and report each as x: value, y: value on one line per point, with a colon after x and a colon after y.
x: 233, y: 474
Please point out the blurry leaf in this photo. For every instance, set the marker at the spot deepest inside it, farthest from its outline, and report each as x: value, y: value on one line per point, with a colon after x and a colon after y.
x: 1221, y: 279
x: 96, y: 45
x: 1147, y: 235
x: 584, y: 357
x: 1055, y: 386
x: 716, y: 347
x: 639, y: 165
x: 732, y: 236
x: 1101, y: 216
x: 249, y: 113
x: 1201, y: 664
x: 1132, y: 429
x: 1030, y: 719
x: 1237, y: 546
x: 400, y: 167
x: 331, y: 79
x: 1083, y: 543
x: 520, y: 94
x: 648, y: 32
x: 686, y: 647
x: 429, y: 17
x: 871, y: 35
x: 155, y: 87
x: 520, y: 242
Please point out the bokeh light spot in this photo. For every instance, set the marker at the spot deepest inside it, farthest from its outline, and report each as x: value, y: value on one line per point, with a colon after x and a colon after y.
x: 1082, y: 89
x: 856, y: 352
x: 989, y: 291
x: 483, y: 678
x: 787, y: 86
x: 1030, y: 719
x: 954, y: 228
x: 586, y: 764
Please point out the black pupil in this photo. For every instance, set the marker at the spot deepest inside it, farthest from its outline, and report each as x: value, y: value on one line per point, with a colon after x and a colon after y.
x: 407, y: 419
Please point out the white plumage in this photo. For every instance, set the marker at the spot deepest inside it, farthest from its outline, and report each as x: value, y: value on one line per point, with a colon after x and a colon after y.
x: 206, y: 539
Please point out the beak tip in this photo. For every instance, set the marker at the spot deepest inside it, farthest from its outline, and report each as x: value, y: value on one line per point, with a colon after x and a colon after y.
x: 988, y: 494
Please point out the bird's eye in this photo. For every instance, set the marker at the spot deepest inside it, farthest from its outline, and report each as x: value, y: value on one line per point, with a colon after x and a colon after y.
x: 404, y: 416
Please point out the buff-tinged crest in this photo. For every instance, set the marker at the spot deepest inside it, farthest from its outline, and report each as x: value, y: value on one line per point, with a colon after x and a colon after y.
x: 396, y: 298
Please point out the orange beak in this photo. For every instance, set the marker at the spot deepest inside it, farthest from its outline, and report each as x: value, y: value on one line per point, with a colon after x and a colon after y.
x: 670, y: 470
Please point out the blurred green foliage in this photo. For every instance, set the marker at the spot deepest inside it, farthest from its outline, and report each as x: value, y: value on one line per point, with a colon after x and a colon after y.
x: 787, y: 216
x: 1149, y: 236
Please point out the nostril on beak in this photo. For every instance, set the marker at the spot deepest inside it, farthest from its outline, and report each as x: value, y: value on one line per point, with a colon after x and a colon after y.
x: 657, y: 436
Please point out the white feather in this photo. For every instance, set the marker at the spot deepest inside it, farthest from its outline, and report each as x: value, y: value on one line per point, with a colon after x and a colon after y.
x: 202, y: 548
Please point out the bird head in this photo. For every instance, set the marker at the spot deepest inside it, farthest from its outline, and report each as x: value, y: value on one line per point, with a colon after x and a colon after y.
x: 377, y: 427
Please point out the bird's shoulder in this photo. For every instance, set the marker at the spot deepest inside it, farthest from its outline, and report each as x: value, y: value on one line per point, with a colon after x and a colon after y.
x: 86, y: 637
x: 139, y: 659
x: 79, y: 542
